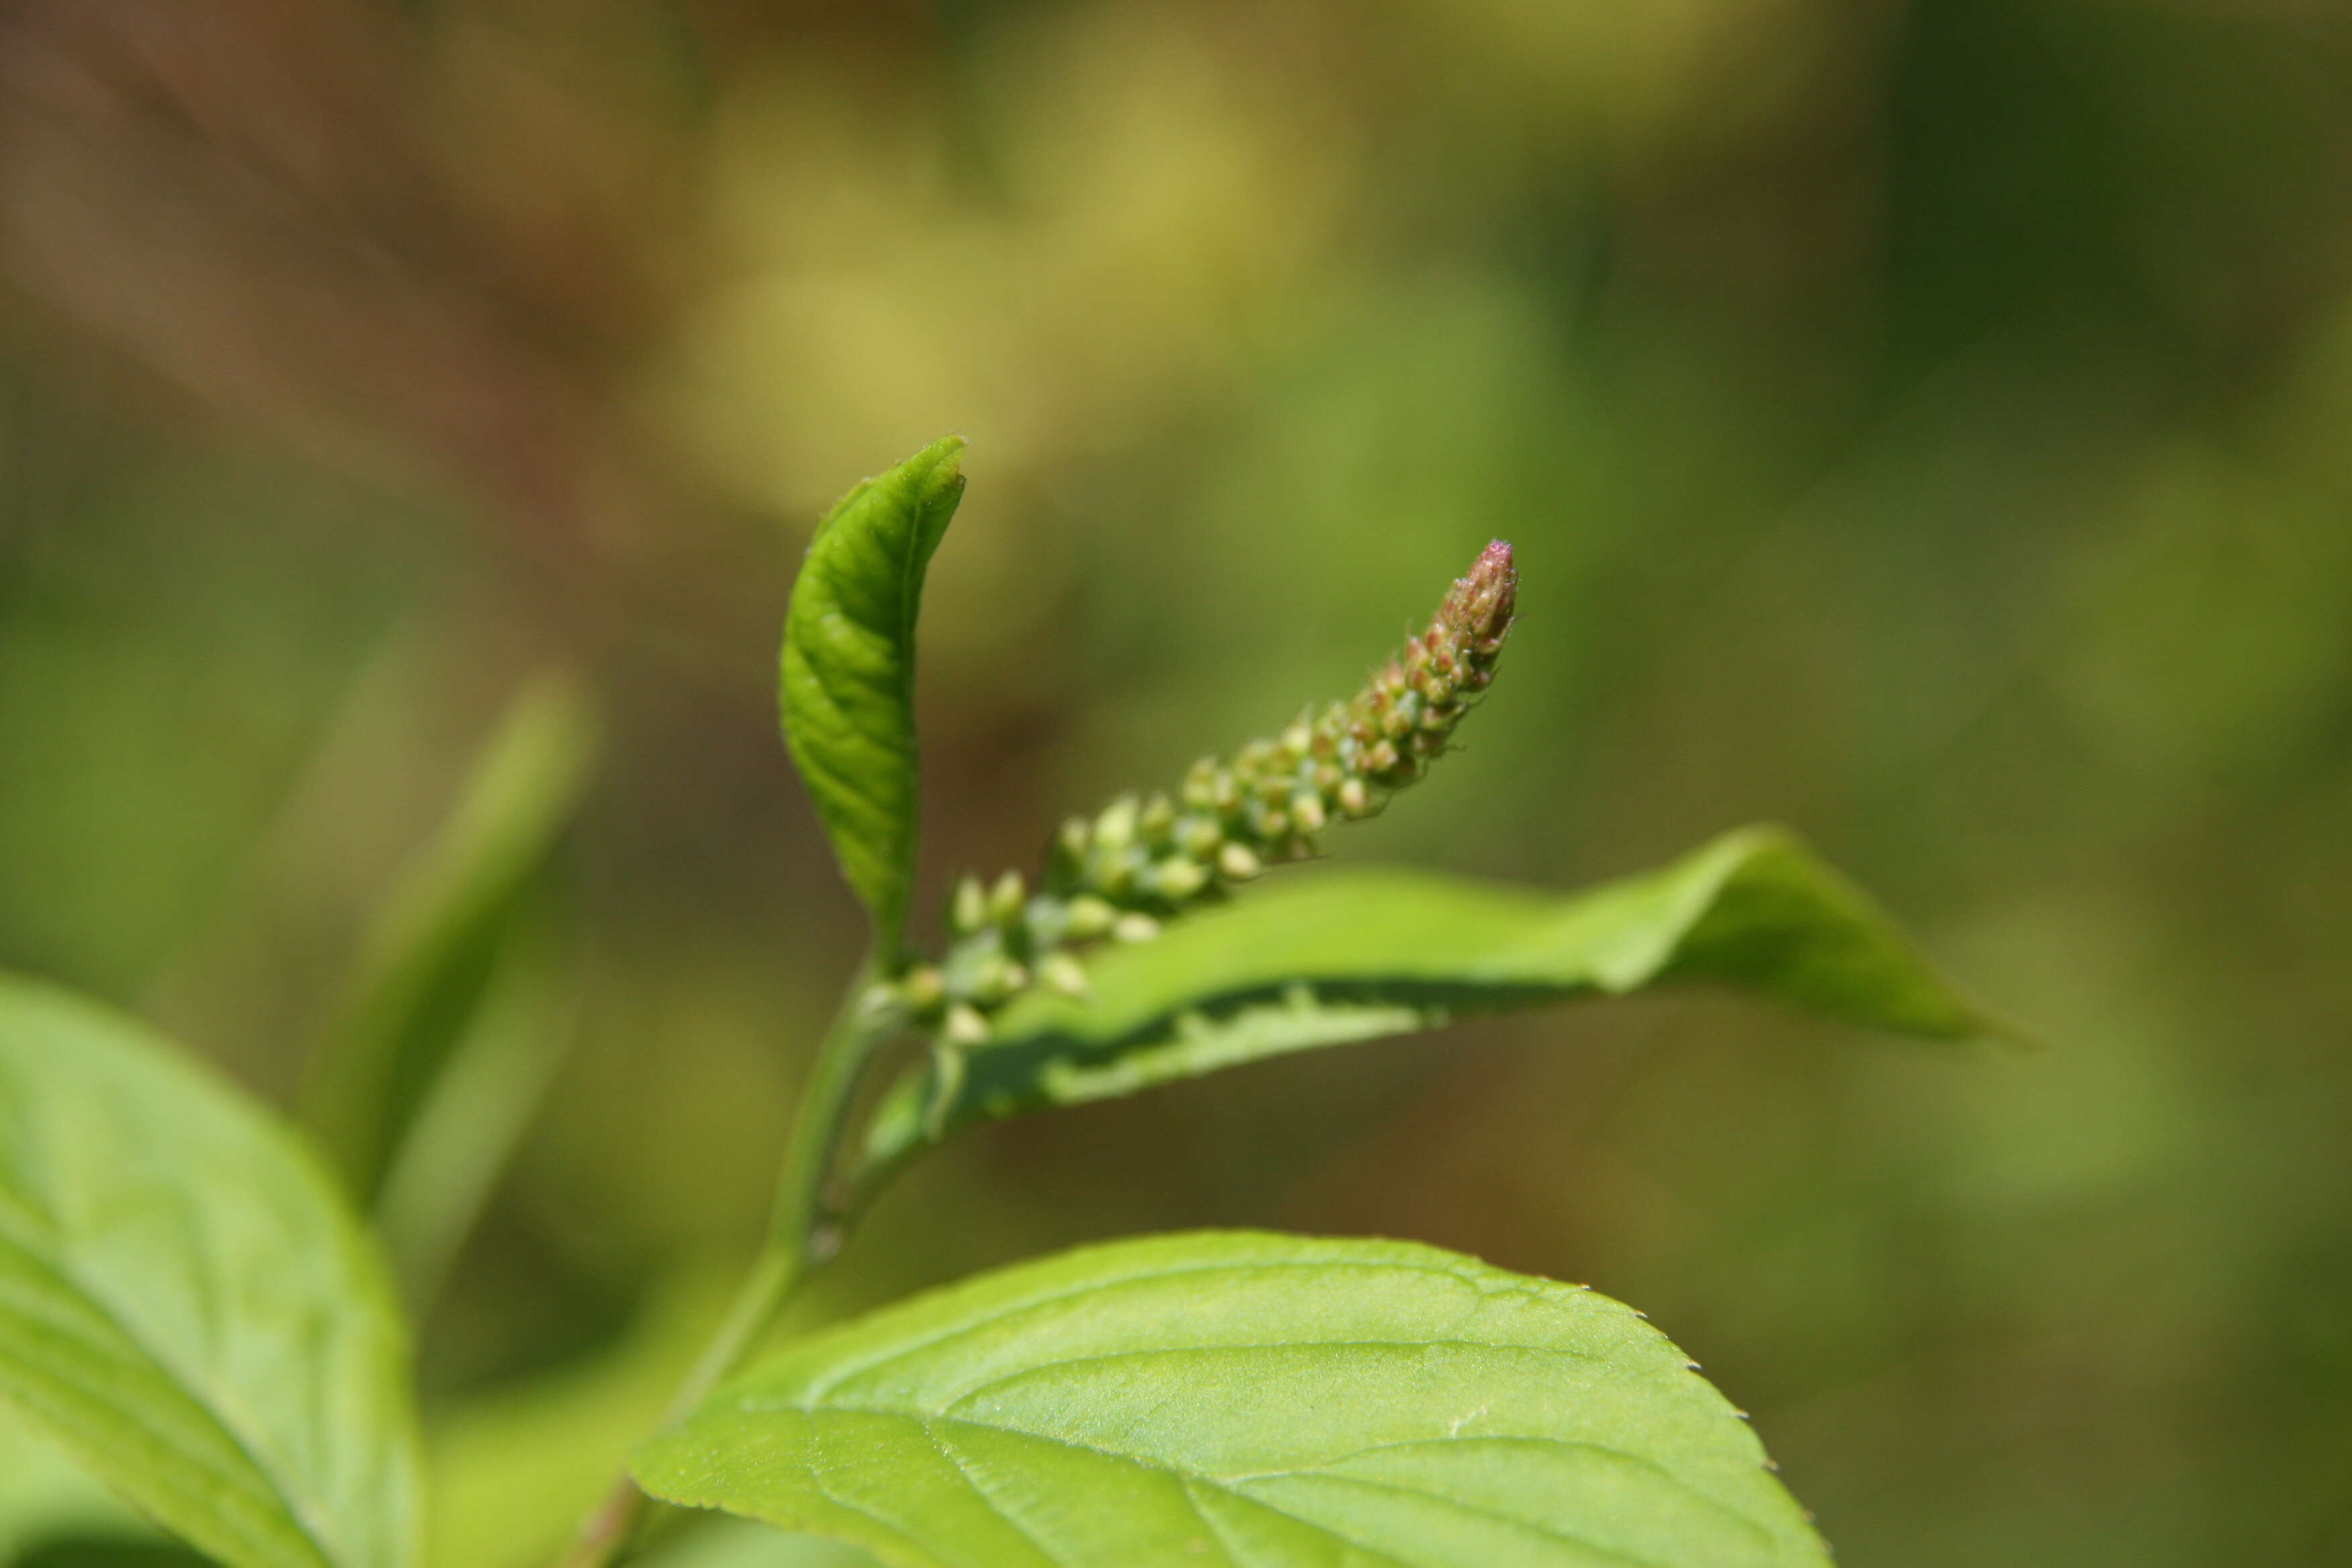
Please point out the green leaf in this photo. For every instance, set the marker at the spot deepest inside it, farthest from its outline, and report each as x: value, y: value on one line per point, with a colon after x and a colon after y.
x: 1321, y: 959
x: 736, y: 1543
x: 187, y: 1306
x: 1248, y: 1399
x: 45, y: 1496
x: 847, y: 687
x: 433, y: 959
x: 469, y: 1126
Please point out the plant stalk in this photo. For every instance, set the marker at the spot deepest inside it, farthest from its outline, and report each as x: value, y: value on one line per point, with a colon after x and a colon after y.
x: 811, y: 1216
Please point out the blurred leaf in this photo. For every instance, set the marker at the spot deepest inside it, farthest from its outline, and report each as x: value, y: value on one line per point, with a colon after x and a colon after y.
x: 513, y: 1471
x: 432, y: 958
x: 738, y: 1543
x: 1340, y: 957
x: 479, y: 1107
x: 1242, y: 1398
x: 847, y: 684
x: 112, y: 1551
x: 186, y: 1304
x: 45, y: 1496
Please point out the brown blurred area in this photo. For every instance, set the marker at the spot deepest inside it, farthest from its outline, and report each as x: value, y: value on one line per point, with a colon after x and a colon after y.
x: 245, y: 202
x: 1920, y: 423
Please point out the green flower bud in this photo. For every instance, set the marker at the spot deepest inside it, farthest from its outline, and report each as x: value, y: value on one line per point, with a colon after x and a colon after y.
x: 968, y: 910
x: 964, y: 1025
x: 1090, y: 918
x: 922, y: 991
x: 1113, y: 875
x: 1176, y: 880
x: 1157, y: 822
x: 1307, y: 811
x: 1199, y: 790
x: 1060, y: 972
x: 1134, y: 927
x: 1115, y: 828
x: 1070, y: 844
x: 997, y: 981
x: 1006, y: 902
x: 1236, y: 863
x: 1199, y: 837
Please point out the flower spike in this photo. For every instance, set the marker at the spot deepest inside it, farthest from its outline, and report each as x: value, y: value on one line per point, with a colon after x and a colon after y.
x: 1138, y: 862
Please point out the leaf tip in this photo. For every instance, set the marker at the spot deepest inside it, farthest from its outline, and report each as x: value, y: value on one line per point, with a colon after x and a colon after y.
x: 938, y: 468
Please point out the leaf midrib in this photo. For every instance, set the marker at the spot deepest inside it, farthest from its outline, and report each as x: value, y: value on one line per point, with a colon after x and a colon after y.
x: 998, y: 1312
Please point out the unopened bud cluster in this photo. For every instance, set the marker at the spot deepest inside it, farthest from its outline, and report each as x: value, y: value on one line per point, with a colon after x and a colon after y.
x: 1119, y: 874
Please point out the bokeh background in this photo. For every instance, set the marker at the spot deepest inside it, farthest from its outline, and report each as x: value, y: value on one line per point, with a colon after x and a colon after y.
x: 1924, y: 423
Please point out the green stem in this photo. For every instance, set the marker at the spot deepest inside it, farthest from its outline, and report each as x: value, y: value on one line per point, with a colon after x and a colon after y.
x: 811, y: 1216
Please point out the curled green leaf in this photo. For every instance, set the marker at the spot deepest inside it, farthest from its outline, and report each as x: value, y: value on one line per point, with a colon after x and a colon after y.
x: 1347, y: 955
x: 847, y: 677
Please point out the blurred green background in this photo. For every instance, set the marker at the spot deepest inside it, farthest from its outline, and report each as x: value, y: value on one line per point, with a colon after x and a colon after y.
x: 1923, y: 424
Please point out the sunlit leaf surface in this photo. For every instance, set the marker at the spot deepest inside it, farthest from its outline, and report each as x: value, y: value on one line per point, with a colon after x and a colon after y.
x: 1324, y: 958
x: 1248, y: 1399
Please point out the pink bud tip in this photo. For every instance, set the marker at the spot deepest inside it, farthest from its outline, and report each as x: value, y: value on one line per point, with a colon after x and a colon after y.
x: 1481, y: 605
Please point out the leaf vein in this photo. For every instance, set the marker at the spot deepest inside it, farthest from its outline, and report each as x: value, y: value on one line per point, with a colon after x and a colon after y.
x: 1159, y: 1350
x: 1546, y: 1532
x: 1224, y: 1486
x: 1329, y: 1468
x: 1143, y: 1276
x: 1003, y: 1511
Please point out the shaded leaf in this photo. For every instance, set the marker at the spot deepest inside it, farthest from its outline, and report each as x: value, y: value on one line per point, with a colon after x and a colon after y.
x: 185, y: 1304
x: 847, y: 677
x: 432, y: 957
x: 45, y: 1496
x: 1327, y: 958
x: 469, y: 1124
x: 738, y: 1544
x: 1246, y: 1399
x: 513, y: 1470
